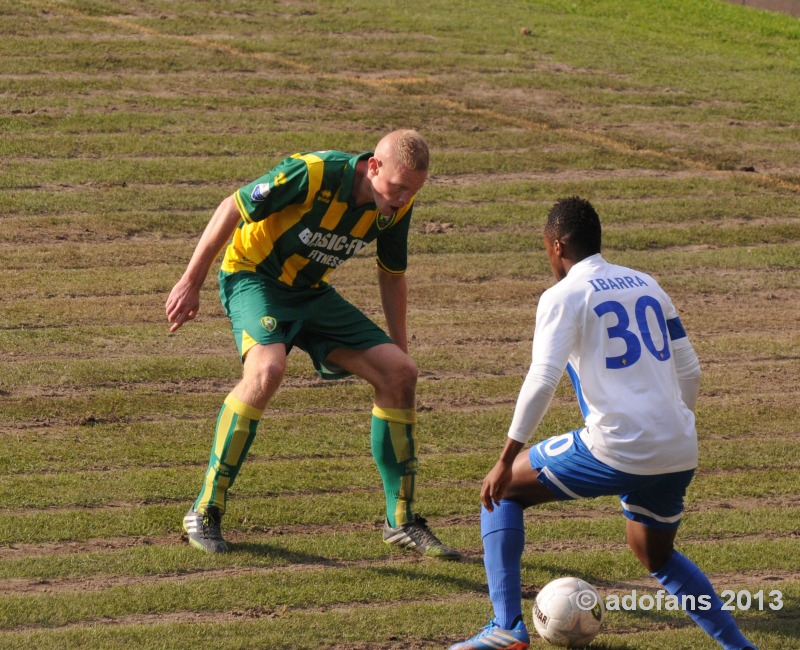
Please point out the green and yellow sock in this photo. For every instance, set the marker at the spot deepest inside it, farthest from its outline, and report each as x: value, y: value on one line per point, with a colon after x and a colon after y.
x: 236, y: 429
x: 394, y: 448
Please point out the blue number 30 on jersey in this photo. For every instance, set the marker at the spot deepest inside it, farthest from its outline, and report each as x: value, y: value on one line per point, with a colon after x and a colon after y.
x: 645, y: 305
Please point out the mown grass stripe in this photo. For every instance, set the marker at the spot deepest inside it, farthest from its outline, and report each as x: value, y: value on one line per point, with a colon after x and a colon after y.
x: 422, y: 624
x: 315, y: 508
x: 341, y: 470
x: 548, y: 530
x: 328, y: 587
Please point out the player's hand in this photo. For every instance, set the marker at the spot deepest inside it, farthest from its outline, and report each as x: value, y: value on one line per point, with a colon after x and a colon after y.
x: 183, y: 304
x: 495, y: 484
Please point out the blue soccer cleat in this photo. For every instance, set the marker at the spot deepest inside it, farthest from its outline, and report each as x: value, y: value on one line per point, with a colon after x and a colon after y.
x: 494, y: 637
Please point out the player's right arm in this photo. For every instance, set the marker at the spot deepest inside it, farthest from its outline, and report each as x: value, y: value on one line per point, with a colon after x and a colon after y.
x: 498, y: 478
x: 554, y: 337
x: 183, y: 302
x: 552, y: 341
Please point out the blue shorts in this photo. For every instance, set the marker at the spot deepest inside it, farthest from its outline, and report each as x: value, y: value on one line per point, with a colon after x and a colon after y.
x: 568, y: 469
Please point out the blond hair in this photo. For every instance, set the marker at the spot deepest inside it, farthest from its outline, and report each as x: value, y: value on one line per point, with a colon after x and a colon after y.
x: 408, y: 148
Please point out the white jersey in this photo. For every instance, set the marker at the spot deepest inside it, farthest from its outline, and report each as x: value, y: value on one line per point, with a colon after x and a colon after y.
x: 615, y: 331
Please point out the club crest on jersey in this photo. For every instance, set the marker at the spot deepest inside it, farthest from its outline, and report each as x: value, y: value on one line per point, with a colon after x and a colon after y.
x: 260, y: 192
x: 269, y: 323
x: 383, y: 222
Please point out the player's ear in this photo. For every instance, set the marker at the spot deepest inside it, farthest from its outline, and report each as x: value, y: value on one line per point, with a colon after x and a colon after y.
x: 373, y: 164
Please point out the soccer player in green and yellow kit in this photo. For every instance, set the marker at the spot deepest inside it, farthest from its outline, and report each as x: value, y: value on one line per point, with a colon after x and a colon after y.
x: 286, y: 232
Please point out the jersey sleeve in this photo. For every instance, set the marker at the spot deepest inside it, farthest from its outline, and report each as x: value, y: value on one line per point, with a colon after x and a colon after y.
x: 283, y: 185
x: 533, y: 401
x: 557, y: 330
x: 687, y: 364
x: 392, y: 244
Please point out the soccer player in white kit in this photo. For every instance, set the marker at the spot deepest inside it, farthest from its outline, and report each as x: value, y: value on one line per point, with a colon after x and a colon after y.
x: 637, y: 378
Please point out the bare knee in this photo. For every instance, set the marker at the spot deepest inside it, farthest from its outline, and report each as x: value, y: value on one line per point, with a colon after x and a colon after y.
x: 652, y: 559
x: 652, y: 547
x: 525, y: 487
x: 263, y: 373
x: 267, y: 375
x: 399, y: 379
x: 386, y: 367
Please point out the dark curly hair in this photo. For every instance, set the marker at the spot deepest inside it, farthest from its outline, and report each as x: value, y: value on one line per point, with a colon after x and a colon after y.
x: 575, y: 221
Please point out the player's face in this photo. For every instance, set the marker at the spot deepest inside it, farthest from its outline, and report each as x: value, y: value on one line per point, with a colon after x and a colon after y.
x: 393, y: 184
x: 554, y: 250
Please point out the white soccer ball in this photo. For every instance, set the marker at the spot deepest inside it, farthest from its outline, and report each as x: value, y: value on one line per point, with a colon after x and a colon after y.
x: 568, y: 613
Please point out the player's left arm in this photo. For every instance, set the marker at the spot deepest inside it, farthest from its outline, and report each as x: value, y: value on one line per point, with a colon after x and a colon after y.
x: 687, y: 364
x: 392, y: 260
x: 394, y: 300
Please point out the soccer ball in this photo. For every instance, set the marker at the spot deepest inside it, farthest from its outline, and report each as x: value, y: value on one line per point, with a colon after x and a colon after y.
x: 568, y: 612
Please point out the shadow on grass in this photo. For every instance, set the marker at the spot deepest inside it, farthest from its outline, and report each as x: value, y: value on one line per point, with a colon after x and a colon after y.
x: 275, y: 551
x: 411, y: 566
x: 435, y: 572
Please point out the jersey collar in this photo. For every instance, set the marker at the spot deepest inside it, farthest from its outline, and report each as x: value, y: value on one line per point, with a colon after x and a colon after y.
x: 349, y: 179
x: 592, y: 260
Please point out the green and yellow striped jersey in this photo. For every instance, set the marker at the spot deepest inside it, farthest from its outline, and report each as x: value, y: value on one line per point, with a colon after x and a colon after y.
x: 299, y: 224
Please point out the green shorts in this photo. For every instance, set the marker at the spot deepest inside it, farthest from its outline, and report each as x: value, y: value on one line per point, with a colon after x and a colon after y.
x: 317, y: 321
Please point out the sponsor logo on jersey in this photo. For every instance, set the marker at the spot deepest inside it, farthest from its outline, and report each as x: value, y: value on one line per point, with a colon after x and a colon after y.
x: 331, y: 261
x: 324, y: 243
x: 330, y: 241
x: 260, y: 192
x: 383, y: 222
x: 325, y: 196
x: 269, y: 323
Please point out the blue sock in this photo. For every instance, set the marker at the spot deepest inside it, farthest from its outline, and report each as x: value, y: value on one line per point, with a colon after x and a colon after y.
x: 682, y: 578
x: 503, y: 535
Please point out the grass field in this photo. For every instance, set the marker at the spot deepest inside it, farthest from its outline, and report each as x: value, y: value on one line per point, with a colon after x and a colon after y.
x: 125, y: 124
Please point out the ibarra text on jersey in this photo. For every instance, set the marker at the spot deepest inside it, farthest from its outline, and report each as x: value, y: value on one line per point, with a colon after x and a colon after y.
x: 628, y: 282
